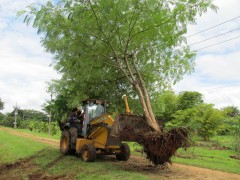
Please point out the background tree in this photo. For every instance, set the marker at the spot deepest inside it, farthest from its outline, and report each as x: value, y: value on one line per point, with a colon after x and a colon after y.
x: 188, y: 99
x: 102, y: 41
x: 1, y: 104
x: 208, y: 121
x: 231, y: 111
x: 165, y: 105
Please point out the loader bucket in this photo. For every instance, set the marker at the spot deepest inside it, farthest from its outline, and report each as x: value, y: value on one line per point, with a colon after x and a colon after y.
x: 127, y: 126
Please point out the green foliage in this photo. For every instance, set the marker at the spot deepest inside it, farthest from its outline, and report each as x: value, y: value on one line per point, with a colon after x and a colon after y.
x: 236, y: 143
x: 2, y: 117
x: 28, y: 114
x: 188, y: 99
x: 231, y: 111
x: 8, y: 121
x: 95, y: 42
x: 203, y: 119
x: 1, y: 104
x: 208, y: 120
x: 228, y: 125
x: 184, y: 118
x: 42, y: 127
x: 165, y: 105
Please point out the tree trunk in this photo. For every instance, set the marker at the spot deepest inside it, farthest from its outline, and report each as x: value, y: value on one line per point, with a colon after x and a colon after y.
x: 151, y: 121
x: 138, y: 83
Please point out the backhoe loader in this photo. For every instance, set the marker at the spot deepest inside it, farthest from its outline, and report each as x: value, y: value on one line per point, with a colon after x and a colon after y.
x: 101, y: 134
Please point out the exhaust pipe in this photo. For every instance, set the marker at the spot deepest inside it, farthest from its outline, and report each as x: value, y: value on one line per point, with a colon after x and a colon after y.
x: 126, y: 104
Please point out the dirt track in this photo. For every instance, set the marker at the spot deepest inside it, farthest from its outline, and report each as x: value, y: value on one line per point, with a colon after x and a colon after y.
x: 139, y: 164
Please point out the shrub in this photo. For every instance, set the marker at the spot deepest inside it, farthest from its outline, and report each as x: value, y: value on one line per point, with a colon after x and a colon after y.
x: 236, y: 143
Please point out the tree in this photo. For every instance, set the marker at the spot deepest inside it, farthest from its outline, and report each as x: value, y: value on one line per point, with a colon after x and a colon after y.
x: 188, y: 99
x: 142, y: 41
x: 231, y: 111
x: 1, y: 104
x: 208, y: 121
x: 165, y: 105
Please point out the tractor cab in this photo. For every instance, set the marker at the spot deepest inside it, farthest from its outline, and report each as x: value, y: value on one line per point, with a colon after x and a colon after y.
x: 95, y: 136
x: 92, y: 109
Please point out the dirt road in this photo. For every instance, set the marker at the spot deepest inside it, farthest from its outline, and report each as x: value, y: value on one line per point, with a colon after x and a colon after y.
x: 139, y: 164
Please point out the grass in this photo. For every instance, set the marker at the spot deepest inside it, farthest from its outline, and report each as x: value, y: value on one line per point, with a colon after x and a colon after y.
x: 205, y: 155
x: 45, y: 135
x: 14, y: 147
x: 50, y: 163
x: 50, y: 160
x: 209, y: 158
x: 82, y: 170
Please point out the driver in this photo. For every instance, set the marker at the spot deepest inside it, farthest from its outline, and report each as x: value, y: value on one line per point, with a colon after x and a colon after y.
x: 74, y: 123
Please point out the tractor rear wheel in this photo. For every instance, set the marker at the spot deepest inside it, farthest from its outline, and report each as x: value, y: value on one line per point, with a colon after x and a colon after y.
x: 88, y: 153
x: 125, y: 154
x: 65, y: 142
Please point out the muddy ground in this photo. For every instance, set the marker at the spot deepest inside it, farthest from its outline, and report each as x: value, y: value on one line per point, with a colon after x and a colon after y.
x: 134, y: 164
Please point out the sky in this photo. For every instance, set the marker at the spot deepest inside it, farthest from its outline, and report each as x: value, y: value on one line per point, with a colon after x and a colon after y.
x: 25, y: 66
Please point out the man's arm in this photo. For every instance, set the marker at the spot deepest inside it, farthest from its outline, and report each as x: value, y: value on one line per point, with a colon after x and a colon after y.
x: 72, y: 119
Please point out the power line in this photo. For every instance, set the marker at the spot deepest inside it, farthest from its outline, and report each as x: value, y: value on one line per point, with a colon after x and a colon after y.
x: 215, y: 88
x: 213, y: 26
x: 223, y: 87
x: 218, y: 43
x: 214, y: 37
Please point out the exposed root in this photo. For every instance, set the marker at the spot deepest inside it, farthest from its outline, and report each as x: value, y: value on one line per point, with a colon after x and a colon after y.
x: 159, y: 147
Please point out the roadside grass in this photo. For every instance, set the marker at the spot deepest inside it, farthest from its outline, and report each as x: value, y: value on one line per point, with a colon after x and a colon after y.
x: 43, y: 161
x: 203, y: 154
x: 214, y: 154
x: 208, y: 158
x: 14, y: 147
x: 73, y: 166
x: 45, y: 135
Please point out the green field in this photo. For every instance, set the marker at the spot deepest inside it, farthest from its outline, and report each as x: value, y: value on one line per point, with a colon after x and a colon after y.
x: 13, y: 147
x: 45, y: 161
x: 214, y: 154
x: 50, y: 163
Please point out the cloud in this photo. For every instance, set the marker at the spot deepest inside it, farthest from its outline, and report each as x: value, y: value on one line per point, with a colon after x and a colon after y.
x: 25, y: 65
x: 217, y: 74
x: 224, y: 67
x: 23, y: 61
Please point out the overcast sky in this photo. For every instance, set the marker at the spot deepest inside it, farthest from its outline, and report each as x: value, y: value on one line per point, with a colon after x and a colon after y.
x: 24, y: 65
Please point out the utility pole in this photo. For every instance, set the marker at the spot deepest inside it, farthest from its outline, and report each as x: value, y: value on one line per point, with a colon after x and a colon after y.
x: 50, y: 112
x: 15, y: 115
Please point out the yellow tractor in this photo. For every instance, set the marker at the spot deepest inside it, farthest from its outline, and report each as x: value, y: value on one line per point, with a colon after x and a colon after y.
x: 100, y: 133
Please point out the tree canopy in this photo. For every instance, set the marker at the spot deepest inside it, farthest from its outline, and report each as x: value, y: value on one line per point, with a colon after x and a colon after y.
x: 1, y: 104
x: 105, y: 47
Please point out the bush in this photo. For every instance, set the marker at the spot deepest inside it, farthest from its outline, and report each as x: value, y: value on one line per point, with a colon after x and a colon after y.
x: 42, y: 127
x: 236, y: 143
x: 8, y: 121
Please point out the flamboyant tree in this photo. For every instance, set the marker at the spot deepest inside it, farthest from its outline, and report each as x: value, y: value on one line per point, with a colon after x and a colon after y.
x: 106, y: 40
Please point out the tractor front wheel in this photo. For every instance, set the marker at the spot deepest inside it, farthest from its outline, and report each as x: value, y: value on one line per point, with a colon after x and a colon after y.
x: 65, y: 146
x: 125, y: 154
x: 88, y: 153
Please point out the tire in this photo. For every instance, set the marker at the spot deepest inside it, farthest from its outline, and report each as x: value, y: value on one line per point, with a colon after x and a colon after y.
x: 124, y: 156
x: 65, y: 142
x: 88, y: 153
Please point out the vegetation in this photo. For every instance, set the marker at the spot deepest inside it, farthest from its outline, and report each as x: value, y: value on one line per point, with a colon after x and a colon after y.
x: 14, y: 147
x: 214, y: 154
x: 236, y: 143
x: 1, y: 104
x: 48, y: 161
x: 29, y: 119
x: 114, y: 46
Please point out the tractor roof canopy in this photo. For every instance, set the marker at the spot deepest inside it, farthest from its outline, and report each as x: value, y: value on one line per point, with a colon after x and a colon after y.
x: 94, y: 101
